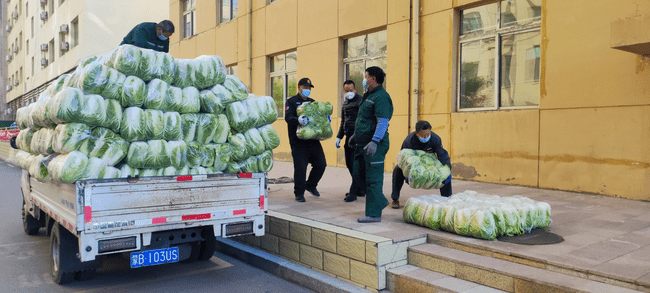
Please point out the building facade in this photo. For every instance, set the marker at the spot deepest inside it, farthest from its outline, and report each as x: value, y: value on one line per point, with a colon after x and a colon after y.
x: 548, y: 94
x: 49, y: 37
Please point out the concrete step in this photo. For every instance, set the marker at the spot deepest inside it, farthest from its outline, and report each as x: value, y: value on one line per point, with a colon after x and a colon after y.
x: 500, y: 274
x: 412, y: 279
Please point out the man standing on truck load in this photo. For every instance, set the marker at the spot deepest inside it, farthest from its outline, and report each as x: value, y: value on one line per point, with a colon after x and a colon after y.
x: 421, y: 139
x: 351, y: 102
x: 303, y: 151
x: 371, y: 141
x: 150, y: 35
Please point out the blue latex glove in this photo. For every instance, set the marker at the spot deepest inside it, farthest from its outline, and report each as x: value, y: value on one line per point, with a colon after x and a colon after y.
x: 338, y: 143
x: 447, y: 180
x: 329, y: 118
x: 370, y: 148
x: 303, y: 120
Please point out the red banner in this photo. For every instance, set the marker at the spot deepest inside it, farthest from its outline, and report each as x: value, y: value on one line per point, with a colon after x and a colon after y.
x: 8, y: 134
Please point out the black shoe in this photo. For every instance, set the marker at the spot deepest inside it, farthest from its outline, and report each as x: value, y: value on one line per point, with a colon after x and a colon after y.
x: 313, y: 191
x: 350, y: 198
x: 300, y: 198
x: 369, y: 220
x: 361, y: 195
x: 346, y: 195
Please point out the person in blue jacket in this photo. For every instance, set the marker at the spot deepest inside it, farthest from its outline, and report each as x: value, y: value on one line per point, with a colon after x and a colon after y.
x: 150, y: 35
x: 421, y: 139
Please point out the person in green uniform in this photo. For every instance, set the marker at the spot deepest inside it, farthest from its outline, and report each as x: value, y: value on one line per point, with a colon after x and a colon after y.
x: 150, y: 35
x: 371, y: 141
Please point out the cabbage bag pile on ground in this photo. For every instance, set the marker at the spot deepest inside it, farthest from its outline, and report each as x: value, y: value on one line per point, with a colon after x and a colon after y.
x: 422, y: 169
x: 319, y: 121
x: 478, y: 215
x: 137, y: 112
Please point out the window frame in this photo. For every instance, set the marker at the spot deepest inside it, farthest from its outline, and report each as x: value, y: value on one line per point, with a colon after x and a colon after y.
x: 284, y: 74
x: 191, y: 11
x: 232, y: 11
x: 496, y: 34
x: 365, y: 58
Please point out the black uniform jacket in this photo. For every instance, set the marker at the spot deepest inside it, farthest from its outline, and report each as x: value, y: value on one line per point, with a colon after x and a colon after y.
x: 350, y: 111
x: 291, y: 116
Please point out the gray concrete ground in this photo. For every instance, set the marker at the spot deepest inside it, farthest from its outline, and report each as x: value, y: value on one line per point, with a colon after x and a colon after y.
x: 603, y: 235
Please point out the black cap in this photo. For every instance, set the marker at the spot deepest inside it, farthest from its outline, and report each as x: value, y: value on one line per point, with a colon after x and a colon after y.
x: 305, y: 81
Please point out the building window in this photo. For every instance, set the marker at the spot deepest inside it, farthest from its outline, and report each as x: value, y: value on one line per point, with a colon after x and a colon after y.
x: 61, y: 2
x: 26, y: 9
x: 283, y: 79
x: 74, y: 32
x: 50, y: 6
x: 189, y: 18
x: 27, y: 47
x: 362, y: 52
x: 20, y: 40
x: 20, y: 74
x: 499, y: 55
x: 227, y: 10
x: 32, y: 65
x: 231, y: 70
x: 32, y: 26
x: 50, y: 48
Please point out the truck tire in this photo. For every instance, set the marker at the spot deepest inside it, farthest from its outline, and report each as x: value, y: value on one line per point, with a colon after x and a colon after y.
x: 85, y: 275
x: 64, y: 248
x: 30, y: 224
x: 207, y: 246
x: 194, y: 254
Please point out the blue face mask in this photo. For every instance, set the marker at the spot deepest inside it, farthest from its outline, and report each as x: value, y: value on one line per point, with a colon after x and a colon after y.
x: 162, y: 38
x: 365, y: 83
x: 424, y: 140
x: 305, y: 93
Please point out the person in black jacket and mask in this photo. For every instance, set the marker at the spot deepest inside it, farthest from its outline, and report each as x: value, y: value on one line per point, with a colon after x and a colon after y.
x: 421, y: 139
x: 351, y: 101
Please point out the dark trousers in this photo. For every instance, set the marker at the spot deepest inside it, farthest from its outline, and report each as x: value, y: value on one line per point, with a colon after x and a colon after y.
x: 355, y: 188
x: 304, y: 153
x: 373, y: 168
x: 398, y: 182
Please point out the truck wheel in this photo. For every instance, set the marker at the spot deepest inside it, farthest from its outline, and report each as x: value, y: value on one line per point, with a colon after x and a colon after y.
x: 194, y: 254
x: 85, y: 275
x: 30, y: 224
x: 64, y: 249
x: 207, y: 246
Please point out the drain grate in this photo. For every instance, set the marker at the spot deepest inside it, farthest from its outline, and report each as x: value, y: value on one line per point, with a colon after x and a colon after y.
x: 535, y: 237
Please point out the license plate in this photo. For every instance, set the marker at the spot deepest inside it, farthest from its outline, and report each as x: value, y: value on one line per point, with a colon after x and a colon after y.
x: 154, y: 257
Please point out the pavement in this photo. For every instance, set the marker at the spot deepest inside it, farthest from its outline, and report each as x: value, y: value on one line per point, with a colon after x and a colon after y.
x: 604, y: 236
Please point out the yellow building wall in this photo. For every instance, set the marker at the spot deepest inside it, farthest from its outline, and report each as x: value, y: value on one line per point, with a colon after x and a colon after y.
x: 589, y: 133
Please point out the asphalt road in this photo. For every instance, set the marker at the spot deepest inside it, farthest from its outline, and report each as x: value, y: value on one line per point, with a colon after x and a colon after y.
x: 25, y: 261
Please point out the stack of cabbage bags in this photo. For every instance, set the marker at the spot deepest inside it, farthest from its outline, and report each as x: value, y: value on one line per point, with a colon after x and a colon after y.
x: 137, y: 112
x: 319, y: 120
x: 478, y: 215
x: 422, y: 169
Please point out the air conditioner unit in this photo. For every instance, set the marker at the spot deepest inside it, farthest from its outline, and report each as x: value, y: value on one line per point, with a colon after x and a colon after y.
x: 65, y: 46
x: 16, y: 49
x: 44, y: 15
x: 9, y: 28
x: 10, y: 110
x: 16, y: 83
x: 63, y: 29
x: 43, y: 62
x: 43, y: 2
x: 9, y: 88
x: 9, y: 57
x: 14, y: 15
x: 43, y: 47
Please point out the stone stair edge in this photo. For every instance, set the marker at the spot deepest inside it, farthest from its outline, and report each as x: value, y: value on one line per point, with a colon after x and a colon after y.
x: 504, y: 267
x: 432, y: 279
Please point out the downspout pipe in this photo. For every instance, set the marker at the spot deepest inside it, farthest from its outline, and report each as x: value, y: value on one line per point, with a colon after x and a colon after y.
x: 250, y: 45
x: 415, y: 63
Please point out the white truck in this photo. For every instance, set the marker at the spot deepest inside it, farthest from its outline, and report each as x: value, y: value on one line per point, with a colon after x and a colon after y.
x: 156, y: 220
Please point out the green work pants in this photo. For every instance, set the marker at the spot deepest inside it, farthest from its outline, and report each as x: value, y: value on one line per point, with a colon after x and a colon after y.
x: 370, y: 172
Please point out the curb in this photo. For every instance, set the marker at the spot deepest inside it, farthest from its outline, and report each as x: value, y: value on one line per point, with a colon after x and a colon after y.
x: 284, y: 269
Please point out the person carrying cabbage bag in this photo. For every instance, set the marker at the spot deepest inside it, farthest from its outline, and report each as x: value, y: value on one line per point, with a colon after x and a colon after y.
x: 303, y: 151
x: 421, y: 139
x: 150, y: 35
x: 371, y: 140
x: 351, y: 102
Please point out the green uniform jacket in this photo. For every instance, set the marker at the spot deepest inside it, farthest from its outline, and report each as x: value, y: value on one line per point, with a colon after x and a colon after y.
x: 144, y: 36
x: 377, y: 104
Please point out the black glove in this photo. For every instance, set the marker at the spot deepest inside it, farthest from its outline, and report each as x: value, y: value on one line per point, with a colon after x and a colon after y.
x: 370, y: 148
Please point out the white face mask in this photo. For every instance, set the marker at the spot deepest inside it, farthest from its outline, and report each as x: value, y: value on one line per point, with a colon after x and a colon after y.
x: 349, y: 95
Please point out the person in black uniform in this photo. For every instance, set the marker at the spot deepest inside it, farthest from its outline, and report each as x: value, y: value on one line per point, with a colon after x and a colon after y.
x: 421, y: 139
x: 351, y: 102
x: 303, y: 151
x: 150, y: 35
